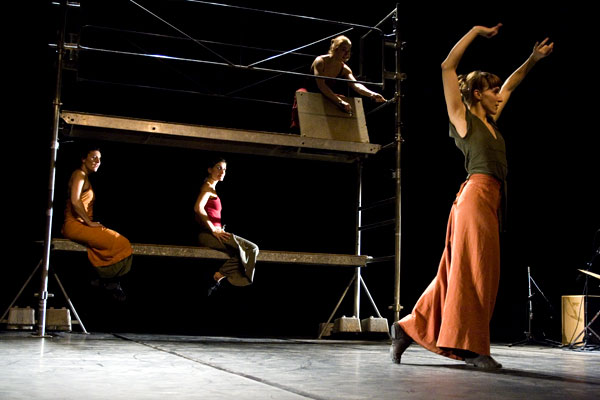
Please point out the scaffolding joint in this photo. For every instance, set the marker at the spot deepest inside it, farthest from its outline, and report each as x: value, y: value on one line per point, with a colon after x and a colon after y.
x: 73, y: 4
x: 395, y: 307
x: 393, y: 44
x: 397, y: 76
x: 44, y: 295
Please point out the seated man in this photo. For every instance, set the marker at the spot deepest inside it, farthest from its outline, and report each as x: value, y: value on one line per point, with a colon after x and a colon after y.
x: 333, y: 65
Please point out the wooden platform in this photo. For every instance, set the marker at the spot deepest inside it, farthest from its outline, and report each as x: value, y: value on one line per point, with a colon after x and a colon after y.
x: 320, y: 118
x: 122, y: 129
x: 270, y: 256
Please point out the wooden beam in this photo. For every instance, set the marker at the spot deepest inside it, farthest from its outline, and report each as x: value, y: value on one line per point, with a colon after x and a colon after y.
x: 267, y: 256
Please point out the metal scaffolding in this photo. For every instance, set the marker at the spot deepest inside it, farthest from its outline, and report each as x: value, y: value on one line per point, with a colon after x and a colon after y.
x: 263, y: 143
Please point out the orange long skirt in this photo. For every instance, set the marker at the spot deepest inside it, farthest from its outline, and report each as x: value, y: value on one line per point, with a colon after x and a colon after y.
x: 105, y: 246
x: 455, y: 310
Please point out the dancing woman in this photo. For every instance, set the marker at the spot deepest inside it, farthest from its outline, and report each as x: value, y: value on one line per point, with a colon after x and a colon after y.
x: 452, y: 316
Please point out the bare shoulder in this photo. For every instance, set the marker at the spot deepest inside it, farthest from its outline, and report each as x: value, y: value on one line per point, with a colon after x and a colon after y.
x: 77, y: 176
x: 206, y: 189
x: 346, y: 70
x: 318, y: 63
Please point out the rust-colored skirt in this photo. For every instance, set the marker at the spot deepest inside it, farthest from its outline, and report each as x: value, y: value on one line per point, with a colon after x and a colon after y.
x: 455, y: 310
x: 105, y: 246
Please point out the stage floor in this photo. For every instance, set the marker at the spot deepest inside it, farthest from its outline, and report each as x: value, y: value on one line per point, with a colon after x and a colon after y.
x: 138, y: 366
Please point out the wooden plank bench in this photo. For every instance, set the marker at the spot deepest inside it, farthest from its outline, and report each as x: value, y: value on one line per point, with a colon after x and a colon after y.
x: 268, y: 256
x: 265, y: 256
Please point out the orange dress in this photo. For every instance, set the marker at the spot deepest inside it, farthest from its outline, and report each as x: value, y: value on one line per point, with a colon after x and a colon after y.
x: 455, y: 310
x: 105, y: 246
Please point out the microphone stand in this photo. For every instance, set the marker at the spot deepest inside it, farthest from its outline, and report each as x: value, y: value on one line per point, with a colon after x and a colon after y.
x: 529, y: 338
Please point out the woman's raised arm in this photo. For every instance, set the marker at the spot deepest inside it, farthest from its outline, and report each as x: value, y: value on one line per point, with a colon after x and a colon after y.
x: 454, y: 103
x: 540, y: 50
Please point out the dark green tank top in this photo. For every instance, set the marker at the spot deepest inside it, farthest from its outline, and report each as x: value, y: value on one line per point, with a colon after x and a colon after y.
x: 483, y: 153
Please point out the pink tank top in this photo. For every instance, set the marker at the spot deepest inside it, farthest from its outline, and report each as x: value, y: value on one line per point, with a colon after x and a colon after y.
x: 213, y: 210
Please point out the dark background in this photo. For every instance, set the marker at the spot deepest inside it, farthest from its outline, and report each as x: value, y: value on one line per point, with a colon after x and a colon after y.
x: 147, y: 193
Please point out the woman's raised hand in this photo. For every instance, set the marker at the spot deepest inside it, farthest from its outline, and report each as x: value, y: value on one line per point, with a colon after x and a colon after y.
x: 541, y: 50
x: 488, y: 32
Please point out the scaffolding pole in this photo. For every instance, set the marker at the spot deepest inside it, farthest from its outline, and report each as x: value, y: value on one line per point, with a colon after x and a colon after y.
x: 61, y: 48
x: 398, y: 171
x: 43, y: 293
x: 357, y: 249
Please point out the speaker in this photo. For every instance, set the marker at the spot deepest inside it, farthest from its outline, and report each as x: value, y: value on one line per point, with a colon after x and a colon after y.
x: 575, y: 318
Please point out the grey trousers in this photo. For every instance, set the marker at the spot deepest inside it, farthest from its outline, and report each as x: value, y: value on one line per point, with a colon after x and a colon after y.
x: 239, y: 269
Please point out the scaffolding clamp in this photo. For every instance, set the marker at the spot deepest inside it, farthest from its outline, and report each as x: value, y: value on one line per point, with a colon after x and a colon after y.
x: 397, y: 76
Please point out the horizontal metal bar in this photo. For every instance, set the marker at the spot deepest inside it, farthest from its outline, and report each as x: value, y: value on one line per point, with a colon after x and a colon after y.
x: 222, y: 64
x: 385, y: 104
x: 183, y: 33
x: 288, y: 15
x: 163, y: 36
x: 391, y: 145
x: 381, y: 259
x: 377, y: 203
x: 380, y: 23
x: 377, y: 224
x: 299, y: 48
x: 228, y: 96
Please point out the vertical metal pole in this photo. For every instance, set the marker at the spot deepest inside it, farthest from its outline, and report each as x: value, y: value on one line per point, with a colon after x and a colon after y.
x: 359, y: 166
x: 397, y: 172
x: 43, y: 294
x: 530, y: 299
x: 383, y: 80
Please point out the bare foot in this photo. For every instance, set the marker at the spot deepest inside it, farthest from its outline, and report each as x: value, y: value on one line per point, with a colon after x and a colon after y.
x: 483, y: 362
